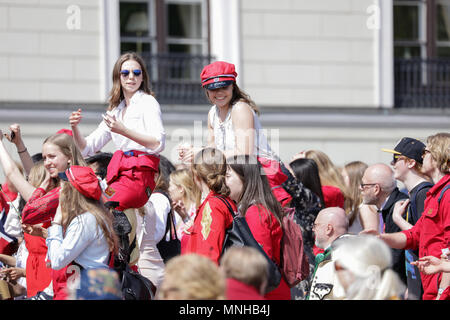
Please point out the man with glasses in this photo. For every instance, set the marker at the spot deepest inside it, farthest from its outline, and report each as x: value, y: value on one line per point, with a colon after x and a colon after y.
x: 407, y: 165
x: 431, y: 234
x: 379, y: 188
x: 330, y: 225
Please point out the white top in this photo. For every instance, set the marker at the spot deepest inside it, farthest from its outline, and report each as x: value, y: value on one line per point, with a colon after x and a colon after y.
x: 13, y: 224
x: 150, y: 228
x: 224, y: 136
x: 143, y: 115
x: 84, y: 243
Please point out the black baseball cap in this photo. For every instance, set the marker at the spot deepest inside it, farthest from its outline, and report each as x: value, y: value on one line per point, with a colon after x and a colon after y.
x: 408, y: 147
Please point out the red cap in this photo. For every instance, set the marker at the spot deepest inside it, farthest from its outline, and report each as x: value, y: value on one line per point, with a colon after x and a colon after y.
x: 218, y: 74
x: 84, y: 180
x: 66, y: 131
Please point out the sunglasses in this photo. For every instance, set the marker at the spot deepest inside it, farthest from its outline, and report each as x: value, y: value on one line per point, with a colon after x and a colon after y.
x: 125, y: 73
x: 396, y: 158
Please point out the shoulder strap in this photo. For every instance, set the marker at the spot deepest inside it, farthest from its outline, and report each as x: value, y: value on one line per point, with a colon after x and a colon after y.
x: 170, y: 224
x: 413, y: 201
x: 442, y: 192
x: 227, y: 204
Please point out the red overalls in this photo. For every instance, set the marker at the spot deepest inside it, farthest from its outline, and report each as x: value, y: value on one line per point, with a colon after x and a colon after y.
x: 130, y: 178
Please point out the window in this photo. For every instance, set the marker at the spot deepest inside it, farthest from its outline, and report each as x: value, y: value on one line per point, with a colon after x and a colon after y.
x: 443, y: 29
x: 409, y: 29
x: 173, y: 38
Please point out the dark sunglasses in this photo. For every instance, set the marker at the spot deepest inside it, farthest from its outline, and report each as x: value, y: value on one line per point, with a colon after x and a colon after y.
x: 136, y: 72
x: 396, y: 158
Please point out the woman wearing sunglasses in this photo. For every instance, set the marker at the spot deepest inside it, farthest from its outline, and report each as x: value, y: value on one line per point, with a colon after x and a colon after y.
x: 133, y: 122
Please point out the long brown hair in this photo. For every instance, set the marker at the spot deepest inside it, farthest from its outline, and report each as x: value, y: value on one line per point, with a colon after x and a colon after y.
x: 74, y: 204
x: 116, y: 94
x: 256, y: 187
x: 355, y: 171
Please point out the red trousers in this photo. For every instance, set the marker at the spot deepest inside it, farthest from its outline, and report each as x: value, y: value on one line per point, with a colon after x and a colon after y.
x: 131, y: 178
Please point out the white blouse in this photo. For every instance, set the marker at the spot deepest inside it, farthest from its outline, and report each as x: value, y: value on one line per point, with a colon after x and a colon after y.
x: 150, y: 228
x: 83, y: 242
x: 143, y: 115
x: 225, y: 139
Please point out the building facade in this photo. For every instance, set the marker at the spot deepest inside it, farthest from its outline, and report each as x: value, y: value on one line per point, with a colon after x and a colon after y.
x: 326, y: 74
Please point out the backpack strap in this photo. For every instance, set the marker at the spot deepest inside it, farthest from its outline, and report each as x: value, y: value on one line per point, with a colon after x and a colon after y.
x: 225, y: 201
x: 413, y: 201
x: 170, y: 224
x: 442, y: 192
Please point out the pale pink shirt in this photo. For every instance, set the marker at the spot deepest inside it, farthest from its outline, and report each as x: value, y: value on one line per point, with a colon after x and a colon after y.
x: 143, y: 115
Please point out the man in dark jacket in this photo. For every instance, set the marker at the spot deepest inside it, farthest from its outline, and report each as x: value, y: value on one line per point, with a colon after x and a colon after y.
x: 379, y: 188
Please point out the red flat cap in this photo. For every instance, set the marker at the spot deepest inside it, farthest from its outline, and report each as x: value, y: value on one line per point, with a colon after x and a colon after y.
x: 218, y: 74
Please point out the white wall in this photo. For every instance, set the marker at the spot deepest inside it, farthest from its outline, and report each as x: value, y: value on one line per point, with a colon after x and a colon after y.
x: 51, y: 53
x: 309, y: 53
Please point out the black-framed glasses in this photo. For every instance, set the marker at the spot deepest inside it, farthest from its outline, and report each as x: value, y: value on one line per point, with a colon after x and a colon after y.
x: 125, y: 73
x: 363, y: 185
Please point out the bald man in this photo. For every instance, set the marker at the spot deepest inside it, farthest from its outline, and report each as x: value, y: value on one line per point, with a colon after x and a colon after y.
x: 379, y: 188
x: 330, y: 225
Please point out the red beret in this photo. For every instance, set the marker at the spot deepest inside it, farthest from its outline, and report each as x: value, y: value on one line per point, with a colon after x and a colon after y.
x: 84, y: 180
x: 218, y: 74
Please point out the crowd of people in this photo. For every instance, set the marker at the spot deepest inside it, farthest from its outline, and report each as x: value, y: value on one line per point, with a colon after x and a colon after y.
x: 76, y: 221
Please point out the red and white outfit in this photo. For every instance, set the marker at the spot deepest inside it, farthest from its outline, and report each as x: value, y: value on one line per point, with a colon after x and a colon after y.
x: 208, y: 232
x: 132, y: 169
x: 431, y: 234
x: 268, y: 233
x: 40, y: 208
x: 225, y: 139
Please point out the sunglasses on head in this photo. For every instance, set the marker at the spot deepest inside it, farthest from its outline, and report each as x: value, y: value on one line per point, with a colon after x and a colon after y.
x: 125, y: 73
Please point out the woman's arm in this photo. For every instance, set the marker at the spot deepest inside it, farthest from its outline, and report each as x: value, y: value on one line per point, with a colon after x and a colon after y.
x: 244, y: 129
x: 62, y: 250
x: 369, y: 217
x: 22, y: 151
x: 117, y: 126
x: 74, y: 120
x: 8, y: 260
x: 398, y: 213
x: 13, y: 173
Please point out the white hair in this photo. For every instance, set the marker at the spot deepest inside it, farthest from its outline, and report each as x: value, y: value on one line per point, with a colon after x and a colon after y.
x: 369, y: 259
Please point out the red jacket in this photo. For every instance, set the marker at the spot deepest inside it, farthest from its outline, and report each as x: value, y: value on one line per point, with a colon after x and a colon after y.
x: 237, y: 290
x: 208, y: 232
x: 432, y: 232
x: 268, y: 233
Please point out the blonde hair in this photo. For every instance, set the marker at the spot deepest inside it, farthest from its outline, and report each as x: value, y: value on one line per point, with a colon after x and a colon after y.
x: 330, y: 175
x: 369, y: 259
x: 192, y: 277
x: 246, y: 265
x: 183, y: 178
x: 37, y: 174
x: 439, y: 146
x: 74, y: 204
x: 210, y: 166
x: 355, y: 171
